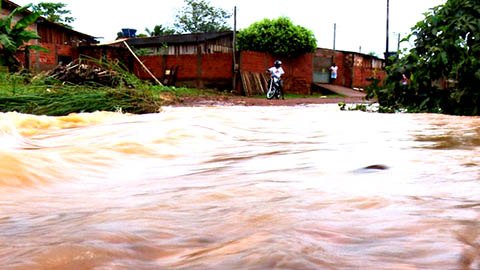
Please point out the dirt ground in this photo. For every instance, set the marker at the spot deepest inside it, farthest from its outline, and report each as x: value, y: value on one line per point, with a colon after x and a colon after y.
x: 256, y: 101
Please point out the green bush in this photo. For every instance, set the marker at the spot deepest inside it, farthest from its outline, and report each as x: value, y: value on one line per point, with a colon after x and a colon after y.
x: 443, y: 66
x: 279, y: 37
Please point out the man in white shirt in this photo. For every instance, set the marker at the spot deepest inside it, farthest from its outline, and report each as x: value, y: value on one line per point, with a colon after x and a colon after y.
x: 277, y: 71
x: 333, y: 73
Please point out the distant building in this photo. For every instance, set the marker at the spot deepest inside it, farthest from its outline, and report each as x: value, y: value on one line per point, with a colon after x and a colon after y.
x: 202, y: 60
x: 204, y: 43
x: 61, y: 42
x: 355, y: 70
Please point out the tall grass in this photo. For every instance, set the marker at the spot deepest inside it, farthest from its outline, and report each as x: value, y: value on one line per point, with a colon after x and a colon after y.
x: 19, y: 94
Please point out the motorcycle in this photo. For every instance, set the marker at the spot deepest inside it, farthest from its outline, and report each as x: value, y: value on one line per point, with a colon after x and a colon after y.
x: 274, y: 90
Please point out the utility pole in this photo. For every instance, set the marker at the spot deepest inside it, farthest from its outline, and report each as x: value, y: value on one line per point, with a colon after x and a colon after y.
x: 234, y: 47
x: 334, y: 40
x: 387, y: 41
x: 334, y: 35
x: 398, y: 43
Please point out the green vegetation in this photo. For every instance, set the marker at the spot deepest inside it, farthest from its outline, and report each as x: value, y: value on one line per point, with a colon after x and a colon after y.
x: 198, y: 16
x: 14, y: 35
x: 444, y: 66
x: 44, y: 96
x: 279, y: 36
x: 54, y: 12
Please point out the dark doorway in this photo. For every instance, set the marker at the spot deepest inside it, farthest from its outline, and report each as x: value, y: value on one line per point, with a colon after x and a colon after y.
x: 321, y: 72
x: 64, y: 60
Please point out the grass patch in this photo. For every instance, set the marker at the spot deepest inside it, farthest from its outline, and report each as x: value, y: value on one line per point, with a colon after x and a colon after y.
x: 187, y: 92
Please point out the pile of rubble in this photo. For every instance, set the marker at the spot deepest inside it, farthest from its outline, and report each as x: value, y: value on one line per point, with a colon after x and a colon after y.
x: 78, y: 72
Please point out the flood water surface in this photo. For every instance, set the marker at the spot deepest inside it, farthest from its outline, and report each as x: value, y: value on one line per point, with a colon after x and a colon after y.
x: 306, y: 187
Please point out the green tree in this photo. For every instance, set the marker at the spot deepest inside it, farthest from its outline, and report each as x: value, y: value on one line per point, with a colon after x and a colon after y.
x: 15, y: 35
x: 198, y: 16
x: 279, y: 36
x: 54, y: 12
x: 446, y: 53
x: 160, y: 30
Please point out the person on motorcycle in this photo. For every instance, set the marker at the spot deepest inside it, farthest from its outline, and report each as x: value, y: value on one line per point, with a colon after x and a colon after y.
x: 277, y: 71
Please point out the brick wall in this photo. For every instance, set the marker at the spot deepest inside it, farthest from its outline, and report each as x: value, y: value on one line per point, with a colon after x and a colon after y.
x: 255, y: 61
x: 49, y: 59
x: 298, y: 71
x: 363, y: 76
x: 354, y: 69
x: 299, y: 74
x: 216, y: 70
x: 344, y: 62
x: 201, y: 71
x: 365, y: 69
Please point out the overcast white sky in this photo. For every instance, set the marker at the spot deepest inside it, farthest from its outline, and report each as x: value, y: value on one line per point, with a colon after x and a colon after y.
x: 360, y: 23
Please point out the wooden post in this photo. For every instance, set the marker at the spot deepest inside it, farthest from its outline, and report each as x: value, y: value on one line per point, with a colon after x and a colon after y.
x: 387, y: 33
x: 234, y: 47
x: 141, y: 63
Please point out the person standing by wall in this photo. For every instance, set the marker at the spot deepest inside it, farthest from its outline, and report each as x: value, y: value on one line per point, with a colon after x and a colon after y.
x: 333, y: 73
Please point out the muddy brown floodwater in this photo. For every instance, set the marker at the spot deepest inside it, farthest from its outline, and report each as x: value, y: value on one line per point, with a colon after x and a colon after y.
x: 240, y: 187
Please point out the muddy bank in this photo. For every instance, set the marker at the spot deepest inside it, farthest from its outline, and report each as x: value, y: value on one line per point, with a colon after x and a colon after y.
x: 256, y: 101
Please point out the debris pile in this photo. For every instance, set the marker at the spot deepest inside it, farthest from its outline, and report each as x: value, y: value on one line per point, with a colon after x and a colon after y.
x: 254, y: 83
x: 77, y: 72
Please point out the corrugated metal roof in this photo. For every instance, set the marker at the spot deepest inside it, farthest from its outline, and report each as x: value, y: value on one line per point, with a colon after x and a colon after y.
x: 178, y: 39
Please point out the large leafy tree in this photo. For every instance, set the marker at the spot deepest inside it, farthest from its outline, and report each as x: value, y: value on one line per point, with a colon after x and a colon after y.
x: 54, y: 12
x: 14, y: 36
x: 278, y: 36
x: 198, y: 16
x: 443, y: 66
x: 160, y: 30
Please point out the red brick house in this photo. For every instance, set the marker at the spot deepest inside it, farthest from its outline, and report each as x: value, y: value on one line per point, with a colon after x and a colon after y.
x: 61, y: 42
x: 202, y: 60
x: 207, y: 60
x: 355, y: 70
